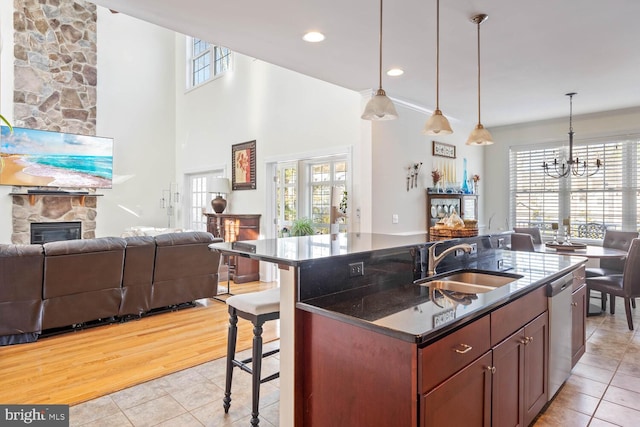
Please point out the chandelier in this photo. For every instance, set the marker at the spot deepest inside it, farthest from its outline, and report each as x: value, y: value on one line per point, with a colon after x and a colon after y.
x: 573, y: 166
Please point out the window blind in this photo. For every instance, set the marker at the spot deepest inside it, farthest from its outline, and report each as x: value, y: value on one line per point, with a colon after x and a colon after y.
x: 606, y: 200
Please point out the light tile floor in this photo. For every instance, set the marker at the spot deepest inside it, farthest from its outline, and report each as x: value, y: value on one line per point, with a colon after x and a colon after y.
x: 603, y: 390
x: 604, y: 387
x: 192, y: 397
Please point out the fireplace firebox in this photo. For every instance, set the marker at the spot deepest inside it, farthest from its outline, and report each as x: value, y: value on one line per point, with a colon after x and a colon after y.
x: 43, y: 232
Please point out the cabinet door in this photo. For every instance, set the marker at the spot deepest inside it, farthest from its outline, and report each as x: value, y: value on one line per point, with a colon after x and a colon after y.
x: 508, y: 381
x: 462, y: 400
x: 536, y: 353
x: 578, y: 325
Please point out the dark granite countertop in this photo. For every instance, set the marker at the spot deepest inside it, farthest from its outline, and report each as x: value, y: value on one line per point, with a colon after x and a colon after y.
x: 408, y: 312
x: 295, y: 250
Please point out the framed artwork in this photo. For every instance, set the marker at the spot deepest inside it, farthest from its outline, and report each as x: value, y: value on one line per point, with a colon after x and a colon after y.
x: 444, y: 150
x: 243, y: 166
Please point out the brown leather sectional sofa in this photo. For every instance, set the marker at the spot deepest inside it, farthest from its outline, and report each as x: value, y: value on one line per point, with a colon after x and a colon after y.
x: 60, y: 284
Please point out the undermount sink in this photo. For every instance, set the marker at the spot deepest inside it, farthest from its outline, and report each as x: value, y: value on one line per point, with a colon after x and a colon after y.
x: 470, y: 281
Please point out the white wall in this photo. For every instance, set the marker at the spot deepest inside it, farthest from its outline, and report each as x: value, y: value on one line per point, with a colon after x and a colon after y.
x: 285, y: 112
x: 611, y: 123
x: 400, y: 143
x: 136, y: 107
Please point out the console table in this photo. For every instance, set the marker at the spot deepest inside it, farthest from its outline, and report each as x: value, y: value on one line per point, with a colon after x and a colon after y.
x: 233, y: 228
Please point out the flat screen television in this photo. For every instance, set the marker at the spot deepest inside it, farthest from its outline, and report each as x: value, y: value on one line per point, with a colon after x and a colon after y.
x: 38, y: 158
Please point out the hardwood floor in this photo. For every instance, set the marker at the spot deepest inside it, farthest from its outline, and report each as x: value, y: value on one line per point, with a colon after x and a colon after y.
x: 82, y: 365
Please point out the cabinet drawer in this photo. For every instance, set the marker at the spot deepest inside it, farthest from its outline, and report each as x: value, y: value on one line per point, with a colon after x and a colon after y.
x: 445, y: 357
x: 508, y: 319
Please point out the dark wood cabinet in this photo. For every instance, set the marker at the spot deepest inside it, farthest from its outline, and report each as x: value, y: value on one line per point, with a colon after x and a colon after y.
x: 536, y: 365
x: 462, y: 400
x: 579, y: 307
x: 234, y: 228
x: 492, y: 371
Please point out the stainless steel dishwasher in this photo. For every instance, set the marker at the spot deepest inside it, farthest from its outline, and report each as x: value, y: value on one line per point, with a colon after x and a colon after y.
x: 560, y: 322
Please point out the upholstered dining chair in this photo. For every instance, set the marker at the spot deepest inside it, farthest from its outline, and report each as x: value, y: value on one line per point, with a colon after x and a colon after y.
x: 608, y: 266
x: 522, y: 242
x: 625, y: 285
x: 533, y: 231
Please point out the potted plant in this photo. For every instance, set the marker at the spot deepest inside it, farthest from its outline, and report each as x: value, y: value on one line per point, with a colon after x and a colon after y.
x: 302, y: 227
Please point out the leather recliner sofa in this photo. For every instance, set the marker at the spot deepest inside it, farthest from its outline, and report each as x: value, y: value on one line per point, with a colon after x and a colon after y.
x: 60, y: 284
x: 21, y: 268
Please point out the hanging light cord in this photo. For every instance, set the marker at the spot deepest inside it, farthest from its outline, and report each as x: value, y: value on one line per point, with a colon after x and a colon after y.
x: 437, y: 54
x: 380, y: 51
x: 479, y: 22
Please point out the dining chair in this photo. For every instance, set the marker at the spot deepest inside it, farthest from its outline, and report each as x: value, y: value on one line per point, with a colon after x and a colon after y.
x: 608, y: 266
x: 533, y: 231
x: 625, y: 285
x: 522, y: 242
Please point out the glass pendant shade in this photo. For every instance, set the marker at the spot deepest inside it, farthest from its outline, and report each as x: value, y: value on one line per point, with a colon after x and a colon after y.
x: 480, y: 136
x: 380, y: 107
x: 437, y: 125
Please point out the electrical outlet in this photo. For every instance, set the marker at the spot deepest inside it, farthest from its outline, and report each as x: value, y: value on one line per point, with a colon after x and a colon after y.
x: 474, y: 249
x: 500, y: 243
x: 500, y: 264
x: 394, y: 218
x: 356, y: 269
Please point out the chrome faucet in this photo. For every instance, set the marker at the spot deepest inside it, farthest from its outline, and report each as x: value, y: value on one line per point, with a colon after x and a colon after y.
x: 435, y: 260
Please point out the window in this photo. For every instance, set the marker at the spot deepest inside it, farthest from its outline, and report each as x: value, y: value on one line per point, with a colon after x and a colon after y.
x: 606, y: 199
x: 323, y: 176
x: 308, y: 193
x: 287, y: 193
x: 205, y: 61
x: 199, y: 200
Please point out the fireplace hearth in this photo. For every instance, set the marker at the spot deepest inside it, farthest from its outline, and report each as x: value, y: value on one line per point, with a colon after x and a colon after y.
x: 43, y: 232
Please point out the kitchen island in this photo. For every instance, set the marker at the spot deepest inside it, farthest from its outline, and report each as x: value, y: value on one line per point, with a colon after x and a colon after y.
x: 361, y: 337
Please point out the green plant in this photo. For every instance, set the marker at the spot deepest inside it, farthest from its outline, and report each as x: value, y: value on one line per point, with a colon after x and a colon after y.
x: 302, y: 227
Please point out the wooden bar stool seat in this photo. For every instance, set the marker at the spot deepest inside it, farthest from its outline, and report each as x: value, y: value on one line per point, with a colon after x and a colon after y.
x: 257, y: 307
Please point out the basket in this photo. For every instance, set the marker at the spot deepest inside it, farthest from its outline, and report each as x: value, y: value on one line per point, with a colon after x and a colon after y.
x: 443, y: 233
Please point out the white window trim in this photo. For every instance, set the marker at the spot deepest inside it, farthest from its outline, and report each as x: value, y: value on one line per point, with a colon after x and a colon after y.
x: 189, y: 86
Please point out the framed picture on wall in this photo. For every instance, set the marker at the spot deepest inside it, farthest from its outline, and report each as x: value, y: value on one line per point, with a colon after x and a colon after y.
x: 243, y: 166
x: 444, y: 150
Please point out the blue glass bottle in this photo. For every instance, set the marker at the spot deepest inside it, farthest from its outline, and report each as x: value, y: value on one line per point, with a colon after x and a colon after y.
x: 465, y: 181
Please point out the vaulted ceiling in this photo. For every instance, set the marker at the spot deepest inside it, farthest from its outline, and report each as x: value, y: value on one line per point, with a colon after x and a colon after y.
x: 532, y: 53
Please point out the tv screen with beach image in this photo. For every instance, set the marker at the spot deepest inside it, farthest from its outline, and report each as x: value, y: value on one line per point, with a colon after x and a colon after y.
x: 53, y: 159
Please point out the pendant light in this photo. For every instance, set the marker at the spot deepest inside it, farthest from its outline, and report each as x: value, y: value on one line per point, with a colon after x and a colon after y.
x: 379, y: 106
x: 480, y: 135
x: 437, y: 123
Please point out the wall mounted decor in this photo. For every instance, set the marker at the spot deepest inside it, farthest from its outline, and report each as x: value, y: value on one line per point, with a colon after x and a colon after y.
x: 444, y: 150
x: 243, y: 166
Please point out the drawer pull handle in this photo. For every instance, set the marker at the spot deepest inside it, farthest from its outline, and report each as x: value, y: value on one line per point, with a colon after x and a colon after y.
x: 465, y: 349
x: 574, y: 304
x: 491, y: 369
x: 526, y: 340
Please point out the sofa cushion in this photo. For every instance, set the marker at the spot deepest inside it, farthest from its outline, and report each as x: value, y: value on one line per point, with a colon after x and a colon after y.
x: 79, y: 266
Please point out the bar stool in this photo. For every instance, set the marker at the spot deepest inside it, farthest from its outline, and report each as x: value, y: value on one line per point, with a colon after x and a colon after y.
x: 257, y: 307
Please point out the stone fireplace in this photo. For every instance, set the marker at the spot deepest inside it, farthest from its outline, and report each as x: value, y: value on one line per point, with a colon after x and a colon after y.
x: 39, y: 208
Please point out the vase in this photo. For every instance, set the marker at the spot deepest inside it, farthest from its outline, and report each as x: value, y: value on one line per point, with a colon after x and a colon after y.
x: 465, y: 181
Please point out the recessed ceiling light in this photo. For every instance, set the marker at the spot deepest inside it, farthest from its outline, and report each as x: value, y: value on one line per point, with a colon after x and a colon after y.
x: 395, y: 72
x: 313, y: 37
